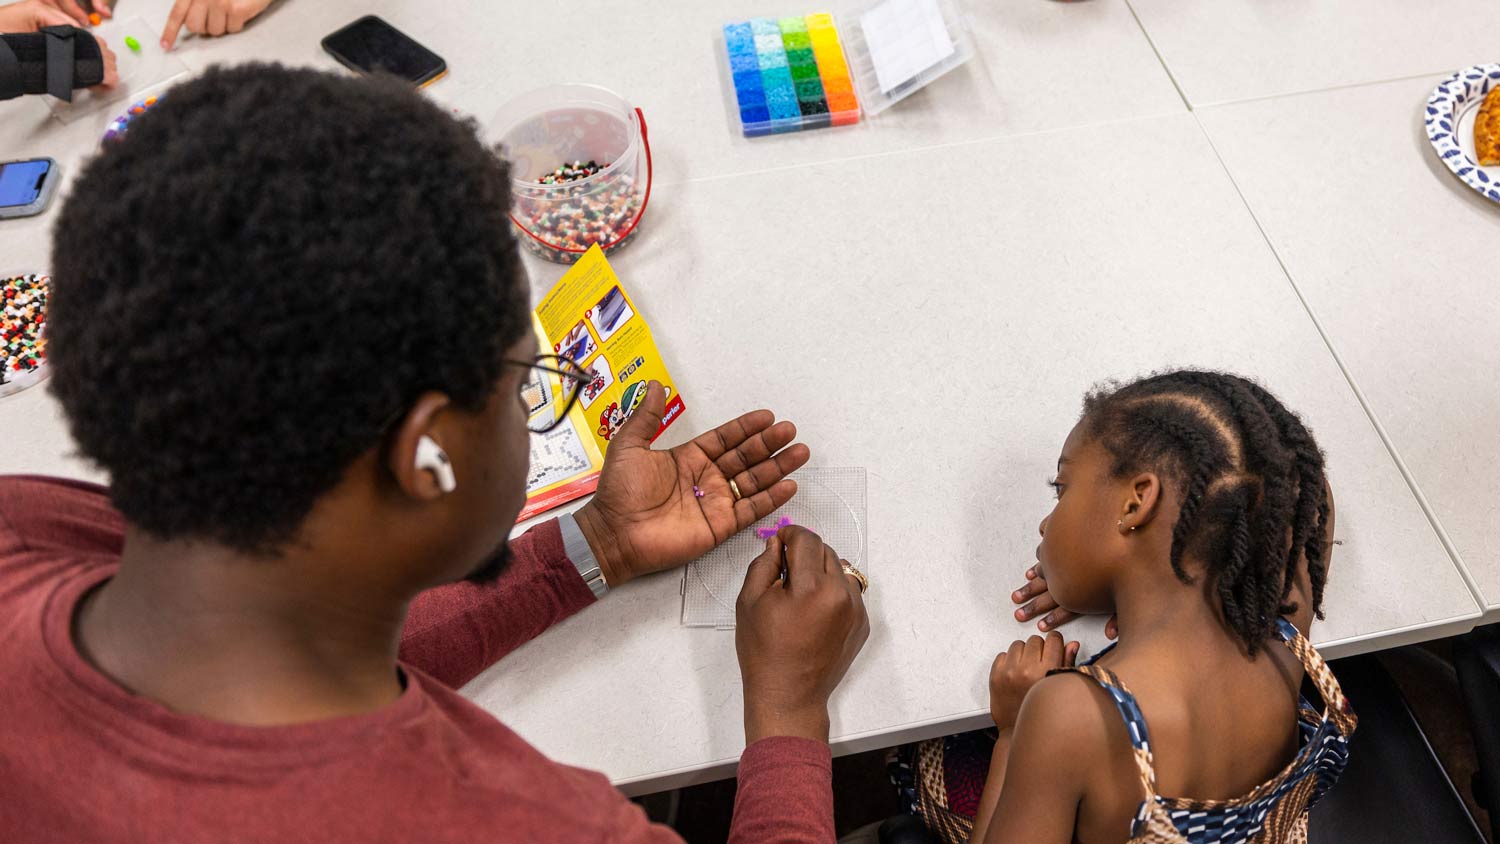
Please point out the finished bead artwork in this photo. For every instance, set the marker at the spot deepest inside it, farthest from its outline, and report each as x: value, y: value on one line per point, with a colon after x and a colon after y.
x: 789, y: 74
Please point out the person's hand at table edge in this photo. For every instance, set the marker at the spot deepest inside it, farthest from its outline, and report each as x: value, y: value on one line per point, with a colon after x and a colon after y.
x: 796, y: 637
x: 1023, y: 665
x: 646, y: 515
x: 76, y: 12
x: 32, y: 15
x: 111, y: 66
x: 209, y: 17
x: 1036, y: 600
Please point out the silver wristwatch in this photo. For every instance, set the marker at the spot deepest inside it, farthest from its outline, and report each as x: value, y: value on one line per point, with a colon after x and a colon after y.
x: 578, y: 550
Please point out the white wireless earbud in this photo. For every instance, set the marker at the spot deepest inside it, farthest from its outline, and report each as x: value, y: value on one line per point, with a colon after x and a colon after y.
x: 432, y: 458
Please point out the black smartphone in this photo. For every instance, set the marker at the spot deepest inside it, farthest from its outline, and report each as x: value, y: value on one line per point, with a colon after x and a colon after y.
x: 27, y: 186
x: 370, y: 44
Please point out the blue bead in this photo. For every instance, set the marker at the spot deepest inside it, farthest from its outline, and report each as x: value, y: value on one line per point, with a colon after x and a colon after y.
x: 740, y: 45
x: 765, y: 44
x: 765, y: 26
x: 771, y: 61
x: 778, y: 77
x: 750, y: 80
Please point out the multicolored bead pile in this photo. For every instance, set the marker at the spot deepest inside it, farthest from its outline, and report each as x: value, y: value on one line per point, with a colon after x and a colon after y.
x: 23, y: 313
x: 576, y: 218
x: 118, y: 126
x: 571, y: 172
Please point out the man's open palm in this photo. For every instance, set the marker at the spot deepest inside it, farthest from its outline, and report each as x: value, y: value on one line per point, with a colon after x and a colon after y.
x: 647, y: 516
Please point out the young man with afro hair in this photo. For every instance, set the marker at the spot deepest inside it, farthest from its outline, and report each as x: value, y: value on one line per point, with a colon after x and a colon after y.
x: 290, y: 324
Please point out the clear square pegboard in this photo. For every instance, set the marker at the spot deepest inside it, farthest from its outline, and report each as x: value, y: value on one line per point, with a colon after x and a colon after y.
x: 829, y: 502
x: 143, y: 67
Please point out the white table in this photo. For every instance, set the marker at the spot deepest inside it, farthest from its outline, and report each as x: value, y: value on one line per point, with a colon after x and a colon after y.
x: 1231, y: 50
x: 1397, y: 260
x: 928, y: 295
x: 953, y: 375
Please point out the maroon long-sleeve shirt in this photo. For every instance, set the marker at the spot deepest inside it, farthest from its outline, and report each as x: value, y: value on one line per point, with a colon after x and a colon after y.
x: 83, y: 760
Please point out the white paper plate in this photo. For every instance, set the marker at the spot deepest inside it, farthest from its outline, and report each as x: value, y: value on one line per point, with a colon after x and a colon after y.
x: 1450, y: 125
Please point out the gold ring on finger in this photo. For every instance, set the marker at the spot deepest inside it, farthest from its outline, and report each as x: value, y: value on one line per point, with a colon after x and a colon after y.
x: 859, y: 577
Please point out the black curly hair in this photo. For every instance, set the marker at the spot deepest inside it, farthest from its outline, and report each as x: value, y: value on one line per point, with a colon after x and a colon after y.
x: 263, y: 273
x: 1250, y: 476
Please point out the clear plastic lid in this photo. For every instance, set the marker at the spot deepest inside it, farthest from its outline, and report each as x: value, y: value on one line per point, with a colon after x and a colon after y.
x: 896, y: 48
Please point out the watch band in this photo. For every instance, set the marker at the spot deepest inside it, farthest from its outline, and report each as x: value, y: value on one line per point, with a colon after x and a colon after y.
x: 578, y: 550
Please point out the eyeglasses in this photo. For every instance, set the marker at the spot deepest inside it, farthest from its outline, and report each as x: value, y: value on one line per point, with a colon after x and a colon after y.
x: 551, y: 388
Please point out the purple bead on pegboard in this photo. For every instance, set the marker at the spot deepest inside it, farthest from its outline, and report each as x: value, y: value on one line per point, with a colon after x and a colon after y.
x: 121, y: 124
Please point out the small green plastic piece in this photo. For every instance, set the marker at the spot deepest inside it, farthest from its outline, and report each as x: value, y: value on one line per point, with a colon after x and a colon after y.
x: 134, y: 45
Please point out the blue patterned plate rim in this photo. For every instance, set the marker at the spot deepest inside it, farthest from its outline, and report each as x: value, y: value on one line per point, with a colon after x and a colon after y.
x: 1457, y: 94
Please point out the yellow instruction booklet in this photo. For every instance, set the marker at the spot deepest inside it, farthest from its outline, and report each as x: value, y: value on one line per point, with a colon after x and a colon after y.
x: 589, y: 318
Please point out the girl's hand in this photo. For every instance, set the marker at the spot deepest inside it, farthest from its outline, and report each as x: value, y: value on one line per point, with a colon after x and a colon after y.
x: 1037, y: 600
x: 1015, y: 671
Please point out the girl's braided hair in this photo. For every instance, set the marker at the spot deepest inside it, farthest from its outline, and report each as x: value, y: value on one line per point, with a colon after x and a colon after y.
x: 1251, y: 480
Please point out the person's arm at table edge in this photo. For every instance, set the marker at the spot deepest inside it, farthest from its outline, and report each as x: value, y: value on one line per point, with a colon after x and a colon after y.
x: 785, y: 792
x: 800, y: 622
x: 454, y: 632
x: 785, y: 795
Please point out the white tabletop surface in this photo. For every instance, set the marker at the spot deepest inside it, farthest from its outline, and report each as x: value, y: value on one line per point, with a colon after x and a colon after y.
x: 1397, y: 260
x: 953, y: 374
x: 928, y: 295
x: 1229, y: 50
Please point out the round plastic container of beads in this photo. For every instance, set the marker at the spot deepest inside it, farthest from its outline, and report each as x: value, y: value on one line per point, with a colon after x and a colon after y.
x: 580, y: 166
x: 23, y: 319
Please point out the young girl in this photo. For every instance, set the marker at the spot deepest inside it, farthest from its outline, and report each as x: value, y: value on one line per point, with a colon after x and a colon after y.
x: 1194, y: 507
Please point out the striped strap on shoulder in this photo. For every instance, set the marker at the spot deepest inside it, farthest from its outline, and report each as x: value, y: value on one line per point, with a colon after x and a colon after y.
x: 1130, y: 713
x: 1336, y: 707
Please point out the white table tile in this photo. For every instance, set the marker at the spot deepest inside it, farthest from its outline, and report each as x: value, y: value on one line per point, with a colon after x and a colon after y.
x: 945, y: 342
x: 1396, y: 258
x: 1243, y: 49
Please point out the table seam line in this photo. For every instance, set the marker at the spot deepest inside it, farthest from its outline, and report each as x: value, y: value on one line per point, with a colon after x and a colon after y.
x: 1161, y: 59
x: 1348, y: 86
x: 1406, y: 475
x: 926, y: 148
